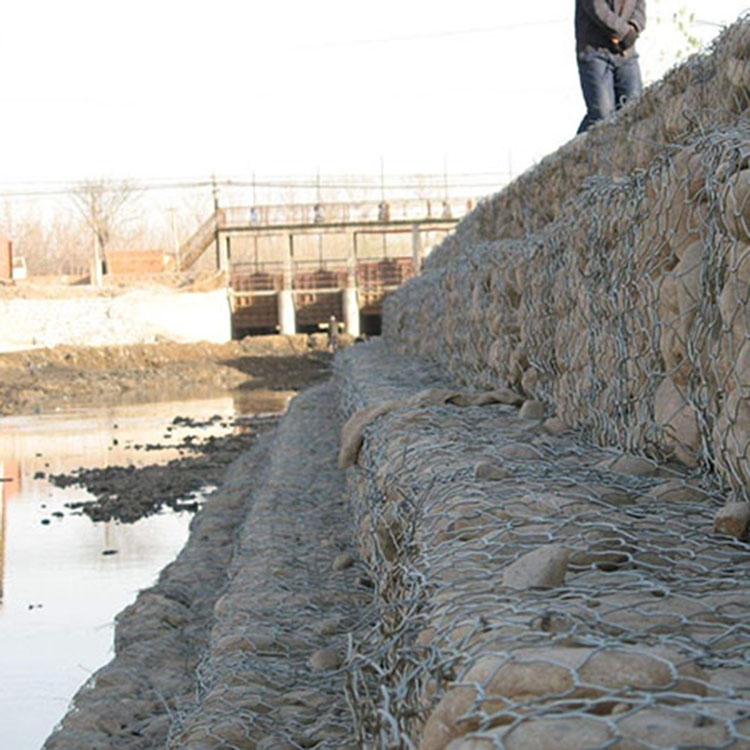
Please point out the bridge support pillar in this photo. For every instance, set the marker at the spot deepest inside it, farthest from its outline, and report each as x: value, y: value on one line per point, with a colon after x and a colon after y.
x: 287, y: 316
x: 350, y: 300
x: 222, y: 252
x: 351, y: 311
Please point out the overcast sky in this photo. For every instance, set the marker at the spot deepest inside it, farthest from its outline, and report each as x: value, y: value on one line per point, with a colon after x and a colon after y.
x: 163, y: 89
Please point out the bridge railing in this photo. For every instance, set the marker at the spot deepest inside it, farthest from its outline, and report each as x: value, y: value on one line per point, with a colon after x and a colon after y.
x: 310, y: 214
x: 343, y: 212
x: 191, y: 250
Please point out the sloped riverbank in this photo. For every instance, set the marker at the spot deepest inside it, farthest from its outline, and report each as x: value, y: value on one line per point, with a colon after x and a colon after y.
x: 241, y: 641
x: 405, y: 563
x: 63, y: 377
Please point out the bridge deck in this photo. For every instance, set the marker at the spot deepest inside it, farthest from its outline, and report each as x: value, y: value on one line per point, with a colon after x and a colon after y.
x: 315, y: 278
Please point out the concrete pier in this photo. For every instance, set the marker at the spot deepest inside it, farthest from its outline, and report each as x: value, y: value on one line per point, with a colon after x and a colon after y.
x: 351, y: 311
x: 287, y: 317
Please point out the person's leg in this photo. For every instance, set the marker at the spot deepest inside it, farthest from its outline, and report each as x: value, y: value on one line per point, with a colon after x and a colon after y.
x: 596, y: 73
x: 627, y: 81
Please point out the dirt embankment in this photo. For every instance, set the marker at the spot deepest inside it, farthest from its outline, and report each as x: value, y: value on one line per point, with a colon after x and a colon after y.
x: 45, y: 380
x: 263, y: 370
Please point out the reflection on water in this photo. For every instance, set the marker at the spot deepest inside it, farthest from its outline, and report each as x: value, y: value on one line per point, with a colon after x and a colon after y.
x: 64, y: 578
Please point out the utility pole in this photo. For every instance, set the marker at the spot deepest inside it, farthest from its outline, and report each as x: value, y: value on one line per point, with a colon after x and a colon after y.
x: 445, y: 178
x: 96, y: 273
x: 215, y: 194
x: 446, y: 212
x: 382, y: 179
x: 175, y: 242
x: 319, y: 217
x: 256, y: 217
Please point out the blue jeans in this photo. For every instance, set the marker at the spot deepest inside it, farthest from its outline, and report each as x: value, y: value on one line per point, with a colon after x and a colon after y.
x: 608, y: 81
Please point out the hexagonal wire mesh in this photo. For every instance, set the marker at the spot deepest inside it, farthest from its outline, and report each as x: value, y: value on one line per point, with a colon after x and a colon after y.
x: 534, y: 589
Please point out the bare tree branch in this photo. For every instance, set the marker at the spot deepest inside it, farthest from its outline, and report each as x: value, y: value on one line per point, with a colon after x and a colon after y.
x: 102, y: 205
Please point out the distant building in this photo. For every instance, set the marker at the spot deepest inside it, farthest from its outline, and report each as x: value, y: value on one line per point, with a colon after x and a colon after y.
x: 136, y: 262
x: 20, y: 271
x: 6, y: 259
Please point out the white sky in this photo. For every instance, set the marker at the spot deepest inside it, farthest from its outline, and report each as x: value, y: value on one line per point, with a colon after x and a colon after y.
x: 163, y: 89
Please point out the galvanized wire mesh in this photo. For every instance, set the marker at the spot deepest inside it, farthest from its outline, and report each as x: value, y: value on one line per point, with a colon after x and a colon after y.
x: 533, y: 587
x: 533, y: 591
x: 709, y: 91
x: 628, y: 311
x: 538, y: 588
x: 272, y: 674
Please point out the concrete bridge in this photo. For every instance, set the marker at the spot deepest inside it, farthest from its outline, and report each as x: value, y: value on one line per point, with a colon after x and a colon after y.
x: 292, y: 268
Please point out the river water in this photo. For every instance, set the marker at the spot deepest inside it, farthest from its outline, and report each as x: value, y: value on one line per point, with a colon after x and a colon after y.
x: 63, y: 578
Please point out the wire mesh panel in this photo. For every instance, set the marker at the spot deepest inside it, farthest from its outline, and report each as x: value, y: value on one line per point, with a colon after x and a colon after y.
x: 570, y: 574
x: 627, y: 311
x: 533, y: 591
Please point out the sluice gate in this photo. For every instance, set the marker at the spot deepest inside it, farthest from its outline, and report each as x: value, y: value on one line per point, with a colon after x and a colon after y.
x: 291, y: 269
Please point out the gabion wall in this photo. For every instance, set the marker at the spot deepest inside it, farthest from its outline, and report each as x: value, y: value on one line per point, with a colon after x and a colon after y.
x: 539, y: 587
x: 533, y: 592
x: 612, y: 281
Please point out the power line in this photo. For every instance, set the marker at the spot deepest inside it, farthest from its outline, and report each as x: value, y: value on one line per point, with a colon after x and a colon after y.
x: 334, y: 182
x: 434, y: 35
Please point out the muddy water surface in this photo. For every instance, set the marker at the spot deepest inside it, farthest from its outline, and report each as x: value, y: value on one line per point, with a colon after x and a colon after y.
x: 63, y: 577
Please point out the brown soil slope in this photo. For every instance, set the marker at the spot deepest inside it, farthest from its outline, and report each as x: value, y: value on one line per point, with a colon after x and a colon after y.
x: 43, y: 380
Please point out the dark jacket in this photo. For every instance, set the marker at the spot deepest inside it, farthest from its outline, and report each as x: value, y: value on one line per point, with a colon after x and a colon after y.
x: 599, y: 22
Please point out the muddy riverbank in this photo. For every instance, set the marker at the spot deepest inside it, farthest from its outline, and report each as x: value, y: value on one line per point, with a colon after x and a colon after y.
x: 65, y: 377
x: 254, y: 371
x: 146, y: 697
x: 241, y: 641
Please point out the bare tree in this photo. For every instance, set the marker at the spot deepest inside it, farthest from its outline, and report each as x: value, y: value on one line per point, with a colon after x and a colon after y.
x: 31, y: 241
x: 69, y: 247
x: 102, y: 204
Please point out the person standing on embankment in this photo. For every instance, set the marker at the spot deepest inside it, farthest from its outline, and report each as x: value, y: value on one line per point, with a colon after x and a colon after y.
x: 608, y: 67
